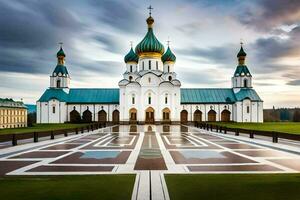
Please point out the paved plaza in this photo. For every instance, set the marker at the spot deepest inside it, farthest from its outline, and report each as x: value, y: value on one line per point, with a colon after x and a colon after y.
x: 149, y: 151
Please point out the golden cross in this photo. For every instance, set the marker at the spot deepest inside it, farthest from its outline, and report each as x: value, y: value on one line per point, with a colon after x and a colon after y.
x: 131, y: 44
x: 60, y: 43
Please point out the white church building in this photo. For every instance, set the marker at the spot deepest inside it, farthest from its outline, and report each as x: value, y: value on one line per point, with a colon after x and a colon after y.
x: 149, y: 93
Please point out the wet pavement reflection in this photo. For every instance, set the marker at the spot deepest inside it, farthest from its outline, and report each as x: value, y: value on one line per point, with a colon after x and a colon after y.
x: 129, y: 148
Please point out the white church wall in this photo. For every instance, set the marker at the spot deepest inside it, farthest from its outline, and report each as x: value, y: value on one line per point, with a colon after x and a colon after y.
x: 38, y: 112
x: 144, y: 64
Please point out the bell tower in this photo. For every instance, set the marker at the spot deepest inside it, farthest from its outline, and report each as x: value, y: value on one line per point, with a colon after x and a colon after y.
x: 60, y: 77
x: 242, y: 77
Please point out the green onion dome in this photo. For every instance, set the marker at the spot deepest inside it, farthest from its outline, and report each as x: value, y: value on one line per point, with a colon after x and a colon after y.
x: 241, y: 52
x: 168, y: 56
x: 61, y: 52
x: 131, y: 57
x: 150, y: 43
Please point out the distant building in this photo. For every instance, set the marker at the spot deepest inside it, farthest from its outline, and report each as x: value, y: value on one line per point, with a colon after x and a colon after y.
x: 13, y: 114
x: 31, y: 108
x: 150, y: 93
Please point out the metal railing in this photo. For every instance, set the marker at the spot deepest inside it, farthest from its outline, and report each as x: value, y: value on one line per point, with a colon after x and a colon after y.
x: 274, y: 135
x: 35, y: 136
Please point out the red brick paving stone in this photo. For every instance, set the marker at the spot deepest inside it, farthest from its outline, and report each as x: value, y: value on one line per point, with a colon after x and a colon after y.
x: 5, y: 146
x: 79, y: 141
x: 75, y: 159
x: 233, y: 168
x: 50, y: 168
x: 41, y: 154
x: 150, y: 157
x: 205, y: 136
x: 228, y: 158
x: 150, y: 164
x: 240, y: 146
x: 290, y: 163
x: 9, y: 166
x: 62, y: 147
x: 263, y: 153
x: 226, y: 142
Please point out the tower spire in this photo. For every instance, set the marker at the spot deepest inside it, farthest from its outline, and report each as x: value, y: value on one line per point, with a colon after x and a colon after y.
x: 168, y: 41
x: 150, y: 8
x: 131, y: 44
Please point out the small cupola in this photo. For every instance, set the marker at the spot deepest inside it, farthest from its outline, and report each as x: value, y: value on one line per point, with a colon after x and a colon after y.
x: 131, y: 57
x: 168, y: 56
x: 241, y: 55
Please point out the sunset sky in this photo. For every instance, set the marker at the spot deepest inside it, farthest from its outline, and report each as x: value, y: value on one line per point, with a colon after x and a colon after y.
x: 205, y: 37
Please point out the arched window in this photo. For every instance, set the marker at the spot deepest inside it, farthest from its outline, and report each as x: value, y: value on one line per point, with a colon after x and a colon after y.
x: 130, y: 78
x: 149, y: 80
x: 53, y: 109
x: 166, y: 99
x: 156, y: 65
x: 170, y: 78
x: 143, y: 65
x: 58, y: 84
x: 149, y: 64
x: 133, y: 99
x: 130, y: 68
x: 168, y: 68
x: 149, y: 98
x: 245, y: 83
x: 248, y: 109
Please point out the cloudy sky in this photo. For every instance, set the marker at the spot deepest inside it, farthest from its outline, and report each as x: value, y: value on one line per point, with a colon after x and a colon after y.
x: 204, y: 34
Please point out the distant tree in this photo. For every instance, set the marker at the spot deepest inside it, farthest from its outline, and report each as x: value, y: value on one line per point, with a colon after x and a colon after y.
x: 284, y: 114
x: 31, y: 119
x: 296, y: 117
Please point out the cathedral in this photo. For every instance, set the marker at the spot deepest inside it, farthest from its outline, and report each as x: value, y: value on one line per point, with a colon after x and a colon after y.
x: 149, y: 93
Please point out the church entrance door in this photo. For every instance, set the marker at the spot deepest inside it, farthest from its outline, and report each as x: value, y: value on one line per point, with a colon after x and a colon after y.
x: 183, y: 116
x: 149, y: 116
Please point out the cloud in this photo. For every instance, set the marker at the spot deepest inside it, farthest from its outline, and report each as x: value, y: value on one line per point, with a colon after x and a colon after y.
x: 294, y: 82
x: 265, y: 15
x: 29, y: 36
x: 221, y: 54
x: 111, y: 43
x: 122, y: 15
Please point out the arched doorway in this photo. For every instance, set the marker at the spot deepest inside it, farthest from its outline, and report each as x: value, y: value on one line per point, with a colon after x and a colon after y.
x: 225, y: 116
x: 212, y: 116
x: 87, y: 116
x: 102, y: 117
x: 75, y: 116
x: 149, y: 115
x: 132, y: 115
x: 183, y: 116
x: 116, y: 116
x: 166, y: 115
x: 197, y: 116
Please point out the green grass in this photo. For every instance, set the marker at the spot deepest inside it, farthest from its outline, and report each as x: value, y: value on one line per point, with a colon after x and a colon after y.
x: 104, y: 187
x: 234, y: 186
x: 39, y: 128
x: 286, y: 127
